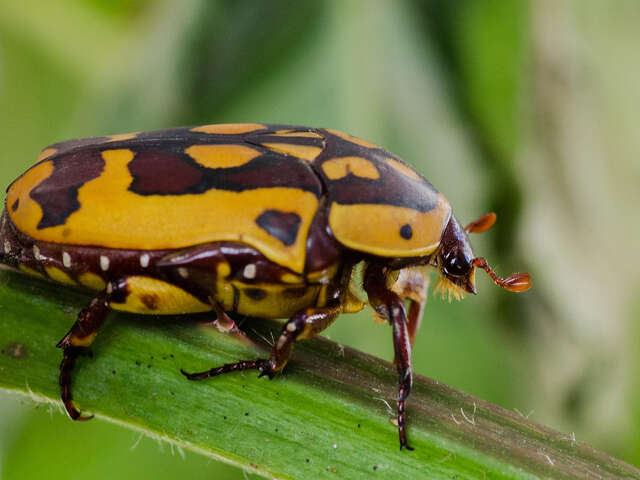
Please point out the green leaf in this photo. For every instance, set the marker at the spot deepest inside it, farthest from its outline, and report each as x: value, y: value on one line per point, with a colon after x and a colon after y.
x: 328, y: 414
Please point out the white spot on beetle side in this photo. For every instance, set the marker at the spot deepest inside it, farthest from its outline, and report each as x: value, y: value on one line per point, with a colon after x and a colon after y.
x: 109, y: 287
x: 250, y: 271
x: 7, y: 247
x: 144, y: 260
x: 183, y: 272
x: 291, y: 327
x: 36, y: 252
x: 104, y: 263
x: 281, y: 341
x: 66, y: 260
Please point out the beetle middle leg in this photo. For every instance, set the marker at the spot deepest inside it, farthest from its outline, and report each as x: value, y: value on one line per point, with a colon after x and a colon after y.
x: 304, y: 324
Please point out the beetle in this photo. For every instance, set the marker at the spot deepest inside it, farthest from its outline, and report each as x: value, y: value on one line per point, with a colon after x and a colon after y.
x: 262, y: 220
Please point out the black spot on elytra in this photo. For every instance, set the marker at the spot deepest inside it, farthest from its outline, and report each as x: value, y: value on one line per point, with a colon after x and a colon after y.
x: 15, y: 205
x: 255, y: 293
x: 57, y: 194
x: 406, y: 231
x: 281, y: 225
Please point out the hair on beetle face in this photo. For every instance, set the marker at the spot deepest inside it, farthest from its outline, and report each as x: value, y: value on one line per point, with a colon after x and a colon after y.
x: 457, y: 264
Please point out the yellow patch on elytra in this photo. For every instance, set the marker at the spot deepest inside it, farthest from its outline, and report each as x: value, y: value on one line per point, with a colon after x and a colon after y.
x: 352, y: 139
x: 93, y: 281
x: 402, y: 168
x: 229, y: 128
x: 222, y: 156
x: 150, y: 295
x: 29, y: 215
x: 337, y: 168
x: 305, y: 152
x: 30, y: 271
x: 378, y: 226
x: 112, y: 216
x: 58, y: 275
x: 122, y: 136
x: 46, y: 153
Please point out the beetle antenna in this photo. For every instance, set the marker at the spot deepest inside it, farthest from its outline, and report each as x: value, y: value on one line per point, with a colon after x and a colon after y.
x: 482, y: 224
x: 518, y: 282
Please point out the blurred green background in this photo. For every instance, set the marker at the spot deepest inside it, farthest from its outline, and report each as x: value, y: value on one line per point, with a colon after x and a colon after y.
x: 528, y: 109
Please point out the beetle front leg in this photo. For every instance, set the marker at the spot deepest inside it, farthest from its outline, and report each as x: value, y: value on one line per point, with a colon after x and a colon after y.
x: 305, y: 324
x: 76, y: 342
x: 389, y: 305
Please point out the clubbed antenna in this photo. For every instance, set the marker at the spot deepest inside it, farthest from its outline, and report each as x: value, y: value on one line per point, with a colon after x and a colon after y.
x: 518, y: 282
x: 482, y: 224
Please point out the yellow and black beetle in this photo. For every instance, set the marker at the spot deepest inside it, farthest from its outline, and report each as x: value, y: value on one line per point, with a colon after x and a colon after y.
x: 261, y: 220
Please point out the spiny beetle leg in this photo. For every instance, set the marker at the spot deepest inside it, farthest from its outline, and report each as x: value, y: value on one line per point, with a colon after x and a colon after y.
x: 77, y: 342
x: 304, y: 324
x: 390, y: 306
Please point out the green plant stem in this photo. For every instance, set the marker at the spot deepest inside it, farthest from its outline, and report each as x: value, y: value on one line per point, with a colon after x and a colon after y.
x: 329, y: 413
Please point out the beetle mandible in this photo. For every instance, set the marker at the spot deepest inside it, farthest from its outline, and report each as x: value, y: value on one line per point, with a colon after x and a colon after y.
x: 261, y: 220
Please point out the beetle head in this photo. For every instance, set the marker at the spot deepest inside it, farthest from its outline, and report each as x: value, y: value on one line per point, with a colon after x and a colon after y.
x: 457, y: 264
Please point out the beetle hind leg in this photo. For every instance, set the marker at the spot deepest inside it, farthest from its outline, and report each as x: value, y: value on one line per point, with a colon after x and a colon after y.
x: 75, y: 343
x: 304, y: 324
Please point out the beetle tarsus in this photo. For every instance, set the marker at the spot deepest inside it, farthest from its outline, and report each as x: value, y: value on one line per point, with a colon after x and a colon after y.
x: 228, y: 368
x: 69, y: 356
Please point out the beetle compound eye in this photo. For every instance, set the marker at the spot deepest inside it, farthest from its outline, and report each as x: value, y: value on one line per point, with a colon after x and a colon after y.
x: 457, y: 265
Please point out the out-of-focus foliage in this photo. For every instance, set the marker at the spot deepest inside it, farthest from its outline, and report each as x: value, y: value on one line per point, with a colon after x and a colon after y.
x: 525, y: 109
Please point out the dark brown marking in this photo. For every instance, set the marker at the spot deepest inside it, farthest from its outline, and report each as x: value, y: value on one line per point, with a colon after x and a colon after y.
x: 150, y: 301
x: 256, y: 294
x: 170, y: 171
x: 57, y: 195
x: 281, y: 225
x: 406, y: 231
x: 15, y: 205
x: 156, y: 171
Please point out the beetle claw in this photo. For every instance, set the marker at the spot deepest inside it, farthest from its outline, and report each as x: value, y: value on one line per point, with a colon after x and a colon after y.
x: 267, y: 373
